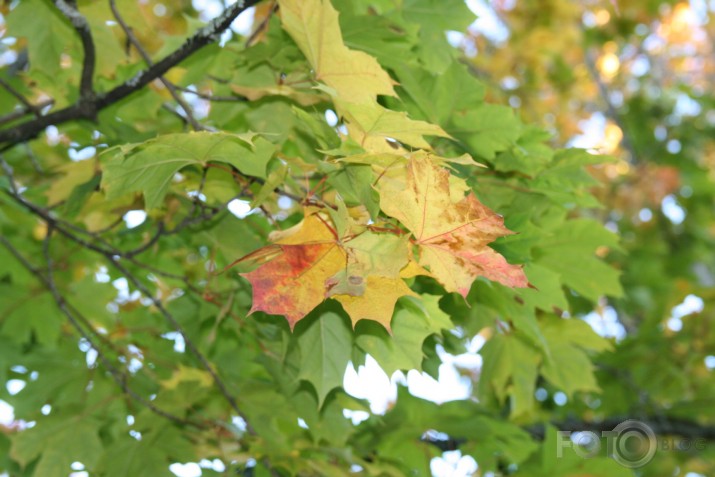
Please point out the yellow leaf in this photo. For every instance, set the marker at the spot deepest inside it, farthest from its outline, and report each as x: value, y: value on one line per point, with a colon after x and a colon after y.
x: 413, y: 269
x: 371, y: 126
x: 355, y: 76
x: 39, y: 231
x: 378, y: 301
x: 74, y: 174
x: 313, y: 228
x: 186, y: 374
x: 391, y: 169
x: 254, y: 93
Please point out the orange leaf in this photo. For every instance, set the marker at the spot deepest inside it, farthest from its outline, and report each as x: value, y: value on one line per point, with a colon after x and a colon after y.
x: 452, y: 231
x: 294, y: 283
x: 311, y: 262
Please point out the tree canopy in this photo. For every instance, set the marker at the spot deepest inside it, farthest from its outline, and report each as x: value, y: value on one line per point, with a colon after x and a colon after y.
x: 209, y: 212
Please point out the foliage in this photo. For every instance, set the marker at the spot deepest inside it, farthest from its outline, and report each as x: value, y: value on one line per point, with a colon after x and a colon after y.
x: 397, y: 209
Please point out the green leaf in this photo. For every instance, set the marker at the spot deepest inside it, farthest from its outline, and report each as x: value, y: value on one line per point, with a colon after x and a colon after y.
x: 354, y: 182
x: 509, y: 370
x: 439, y: 15
x: 58, y: 441
x: 568, y: 366
x: 569, y: 369
x: 576, y: 332
x: 571, y: 254
x: 325, y: 349
x: 501, y: 300
x: 412, y: 323
x: 324, y: 135
x: 547, y: 293
x: 148, y: 457
x: 48, y: 33
x: 548, y: 462
x: 437, y: 97
x: 388, y: 40
x: 486, y: 129
x: 371, y: 124
x: 150, y: 167
x: 529, y: 155
x: 567, y: 181
x: 28, y: 317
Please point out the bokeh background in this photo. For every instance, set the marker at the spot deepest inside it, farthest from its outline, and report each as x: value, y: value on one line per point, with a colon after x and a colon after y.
x: 630, y: 78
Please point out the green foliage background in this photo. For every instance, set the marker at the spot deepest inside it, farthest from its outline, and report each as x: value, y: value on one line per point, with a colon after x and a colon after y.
x: 171, y: 368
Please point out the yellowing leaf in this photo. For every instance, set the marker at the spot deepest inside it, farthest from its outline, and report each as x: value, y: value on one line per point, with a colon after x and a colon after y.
x: 74, y: 174
x: 186, y: 374
x: 293, y: 282
x: 452, y: 231
x: 254, y: 93
x: 390, y: 167
x: 378, y: 254
x: 311, y: 262
x: 377, y: 302
x: 371, y: 125
x: 371, y: 282
x: 355, y: 76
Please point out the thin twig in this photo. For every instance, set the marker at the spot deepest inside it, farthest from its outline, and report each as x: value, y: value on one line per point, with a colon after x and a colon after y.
x: 20, y: 97
x: 72, y: 316
x: 33, y: 108
x: 189, y: 343
x: 610, y: 108
x: 211, y: 97
x: 147, y: 59
x: 64, y: 228
x: 114, y: 260
x: 260, y: 28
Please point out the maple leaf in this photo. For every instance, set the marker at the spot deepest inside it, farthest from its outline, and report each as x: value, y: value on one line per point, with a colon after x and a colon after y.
x: 312, y: 261
x: 355, y: 76
x: 390, y: 167
x: 372, y: 281
x: 377, y: 254
x: 377, y: 303
x: 451, y: 230
x: 291, y: 281
x: 371, y: 125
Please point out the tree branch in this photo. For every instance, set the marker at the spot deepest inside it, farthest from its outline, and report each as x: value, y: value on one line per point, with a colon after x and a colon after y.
x: 147, y: 59
x: 661, y: 426
x: 211, y: 97
x: 189, y: 343
x: 610, y: 108
x: 113, y: 257
x: 206, y: 35
x: 81, y: 26
x: 74, y: 317
x: 68, y: 230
